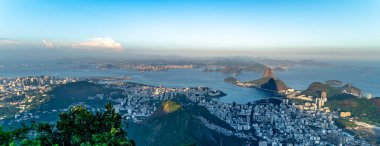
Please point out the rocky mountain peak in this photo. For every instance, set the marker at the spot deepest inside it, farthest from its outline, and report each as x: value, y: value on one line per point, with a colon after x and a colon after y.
x: 268, y: 73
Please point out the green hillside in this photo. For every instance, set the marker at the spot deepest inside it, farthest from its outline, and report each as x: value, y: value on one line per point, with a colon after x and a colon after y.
x: 316, y: 88
x: 362, y: 108
x: 65, y: 95
x: 376, y: 101
x: 180, y: 127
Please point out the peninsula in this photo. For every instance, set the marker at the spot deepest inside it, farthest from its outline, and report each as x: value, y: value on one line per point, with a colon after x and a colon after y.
x: 267, y: 82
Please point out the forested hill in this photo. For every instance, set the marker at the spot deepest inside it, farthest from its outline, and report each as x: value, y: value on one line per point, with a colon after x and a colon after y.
x: 181, y: 127
x: 316, y: 88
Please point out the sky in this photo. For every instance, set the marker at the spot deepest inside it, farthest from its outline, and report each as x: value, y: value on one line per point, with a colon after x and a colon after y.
x: 122, y: 26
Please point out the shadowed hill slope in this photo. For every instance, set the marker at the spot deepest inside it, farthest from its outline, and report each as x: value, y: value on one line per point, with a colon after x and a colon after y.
x: 180, y: 127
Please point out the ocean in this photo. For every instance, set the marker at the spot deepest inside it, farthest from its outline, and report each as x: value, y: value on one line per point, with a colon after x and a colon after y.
x: 364, y: 75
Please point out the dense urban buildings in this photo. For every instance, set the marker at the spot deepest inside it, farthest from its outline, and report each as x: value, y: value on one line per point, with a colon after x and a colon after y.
x: 275, y: 121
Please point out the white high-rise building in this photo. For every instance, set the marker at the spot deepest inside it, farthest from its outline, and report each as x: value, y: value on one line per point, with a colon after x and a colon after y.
x: 369, y: 96
x: 324, y: 96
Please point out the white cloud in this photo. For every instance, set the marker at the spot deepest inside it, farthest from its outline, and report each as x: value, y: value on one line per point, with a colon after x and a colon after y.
x: 8, y: 42
x: 99, y: 43
x: 48, y: 44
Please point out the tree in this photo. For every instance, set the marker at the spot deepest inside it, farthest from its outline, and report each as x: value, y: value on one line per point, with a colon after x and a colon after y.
x: 8, y: 137
x: 78, y: 126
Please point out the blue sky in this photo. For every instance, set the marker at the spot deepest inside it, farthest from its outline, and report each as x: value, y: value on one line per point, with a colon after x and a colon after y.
x: 191, y: 24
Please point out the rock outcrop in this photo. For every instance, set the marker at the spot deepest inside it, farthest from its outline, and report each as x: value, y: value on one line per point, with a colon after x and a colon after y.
x: 268, y: 73
x: 267, y: 82
x: 270, y: 83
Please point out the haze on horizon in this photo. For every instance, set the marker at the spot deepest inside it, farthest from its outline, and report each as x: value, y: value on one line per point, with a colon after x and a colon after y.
x: 304, y: 29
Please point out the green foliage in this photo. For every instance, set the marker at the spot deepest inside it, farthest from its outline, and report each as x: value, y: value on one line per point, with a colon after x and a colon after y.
x: 78, y: 126
x: 181, y: 127
x: 342, y: 97
x: 362, y: 108
x: 344, y: 123
x: 316, y: 88
x: 27, y: 142
x: 201, y: 111
x: 230, y: 80
x: 299, y: 101
x: 79, y: 90
x: 188, y: 145
x: 4, y: 136
x: 9, y: 137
